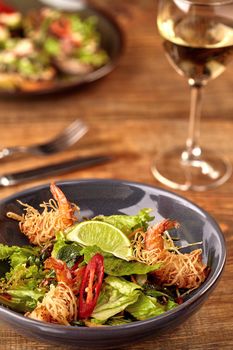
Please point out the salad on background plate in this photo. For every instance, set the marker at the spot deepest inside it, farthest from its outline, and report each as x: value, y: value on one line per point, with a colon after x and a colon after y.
x: 93, y: 272
x: 47, y: 47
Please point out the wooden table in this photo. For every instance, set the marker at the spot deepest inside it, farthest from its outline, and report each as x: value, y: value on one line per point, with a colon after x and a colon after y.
x: 138, y: 109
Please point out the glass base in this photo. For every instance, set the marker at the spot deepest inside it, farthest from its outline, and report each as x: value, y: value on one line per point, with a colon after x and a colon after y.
x: 176, y: 169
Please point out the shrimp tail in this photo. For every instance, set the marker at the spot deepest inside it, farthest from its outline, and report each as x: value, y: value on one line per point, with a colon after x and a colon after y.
x: 66, y: 209
x: 154, y: 239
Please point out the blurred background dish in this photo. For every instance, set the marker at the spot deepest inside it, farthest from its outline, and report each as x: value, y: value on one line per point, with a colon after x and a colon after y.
x: 50, y: 48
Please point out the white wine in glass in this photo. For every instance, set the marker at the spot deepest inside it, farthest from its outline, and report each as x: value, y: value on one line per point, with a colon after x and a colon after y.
x: 198, y: 42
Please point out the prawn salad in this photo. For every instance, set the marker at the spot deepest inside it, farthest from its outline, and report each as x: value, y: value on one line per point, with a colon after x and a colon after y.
x: 47, y: 45
x: 103, y: 271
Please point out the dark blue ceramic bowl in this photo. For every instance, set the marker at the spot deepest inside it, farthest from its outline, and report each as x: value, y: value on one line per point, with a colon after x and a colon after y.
x: 115, y: 197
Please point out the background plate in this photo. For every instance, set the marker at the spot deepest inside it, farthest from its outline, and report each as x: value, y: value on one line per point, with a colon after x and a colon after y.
x: 112, y: 41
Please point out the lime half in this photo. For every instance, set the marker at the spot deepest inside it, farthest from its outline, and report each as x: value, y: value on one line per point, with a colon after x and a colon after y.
x: 106, y: 236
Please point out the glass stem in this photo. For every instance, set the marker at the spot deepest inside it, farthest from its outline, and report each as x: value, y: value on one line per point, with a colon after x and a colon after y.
x: 192, y: 143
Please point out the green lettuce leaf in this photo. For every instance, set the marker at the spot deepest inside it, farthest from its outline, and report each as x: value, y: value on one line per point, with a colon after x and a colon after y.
x: 6, y: 251
x: 52, y: 46
x: 115, y: 296
x: 157, y: 293
x: 66, y: 251
x: 23, y: 276
x: 24, y: 256
x: 170, y: 305
x: 117, y: 267
x: 146, y: 307
x: 20, y: 289
x: 22, y: 300
x: 69, y: 253
x: 118, y: 321
x: 17, y: 255
x: 128, y: 223
x: 11, y: 256
x: 59, y: 243
x: 90, y: 251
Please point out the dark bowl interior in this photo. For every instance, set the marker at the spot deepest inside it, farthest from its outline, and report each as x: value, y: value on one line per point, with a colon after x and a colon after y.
x: 114, y: 197
x: 111, y: 38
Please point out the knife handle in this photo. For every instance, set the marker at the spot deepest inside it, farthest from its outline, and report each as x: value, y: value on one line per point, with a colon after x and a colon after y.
x: 53, y: 169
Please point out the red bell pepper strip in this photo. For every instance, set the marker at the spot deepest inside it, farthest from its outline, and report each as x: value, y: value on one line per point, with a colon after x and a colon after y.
x: 78, y: 274
x: 61, y: 28
x: 91, y: 285
x: 6, y: 8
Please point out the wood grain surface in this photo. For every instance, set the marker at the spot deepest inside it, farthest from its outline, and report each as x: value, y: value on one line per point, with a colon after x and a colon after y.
x: 135, y: 112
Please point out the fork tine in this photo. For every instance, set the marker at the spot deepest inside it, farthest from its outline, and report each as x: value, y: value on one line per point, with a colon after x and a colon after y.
x: 70, y: 129
x: 70, y: 132
x: 66, y: 138
x: 70, y: 135
x: 77, y: 132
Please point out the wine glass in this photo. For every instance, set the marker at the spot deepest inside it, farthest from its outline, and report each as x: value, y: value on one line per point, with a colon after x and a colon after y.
x: 198, y: 42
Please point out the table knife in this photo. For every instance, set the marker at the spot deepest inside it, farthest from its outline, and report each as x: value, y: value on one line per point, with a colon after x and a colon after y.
x: 53, y: 169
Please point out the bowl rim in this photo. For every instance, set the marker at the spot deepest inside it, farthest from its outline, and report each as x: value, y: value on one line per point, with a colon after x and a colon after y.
x: 203, y: 289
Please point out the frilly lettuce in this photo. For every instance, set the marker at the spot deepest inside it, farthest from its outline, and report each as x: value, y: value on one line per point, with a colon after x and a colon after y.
x: 18, y: 255
x: 128, y: 223
x: 19, y: 289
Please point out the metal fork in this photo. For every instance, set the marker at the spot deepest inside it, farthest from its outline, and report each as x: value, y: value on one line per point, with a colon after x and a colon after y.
x: 65, y: 139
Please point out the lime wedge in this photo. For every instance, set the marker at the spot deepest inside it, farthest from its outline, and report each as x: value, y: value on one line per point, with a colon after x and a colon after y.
x: 106, y: 236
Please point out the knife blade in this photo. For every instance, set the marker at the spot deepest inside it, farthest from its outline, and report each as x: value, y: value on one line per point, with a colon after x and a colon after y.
x: 53, y: 169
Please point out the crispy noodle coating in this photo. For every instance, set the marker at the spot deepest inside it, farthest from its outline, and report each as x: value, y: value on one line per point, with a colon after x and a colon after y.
x: 178, y: 269
x: 57, y: 215
x: 59, y: 305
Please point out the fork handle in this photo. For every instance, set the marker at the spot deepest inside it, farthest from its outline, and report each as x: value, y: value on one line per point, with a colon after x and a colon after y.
x: 9, y: 151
